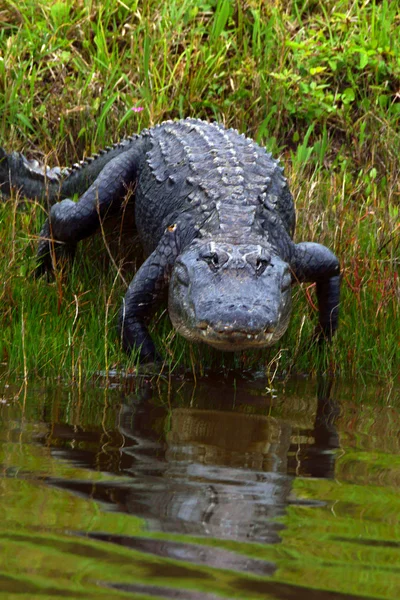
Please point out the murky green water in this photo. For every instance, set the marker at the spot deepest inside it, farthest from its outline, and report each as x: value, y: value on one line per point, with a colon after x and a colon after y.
x: 220, y: 490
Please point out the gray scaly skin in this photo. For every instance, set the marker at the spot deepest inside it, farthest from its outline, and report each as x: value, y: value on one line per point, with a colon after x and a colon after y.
x: 216, y: 220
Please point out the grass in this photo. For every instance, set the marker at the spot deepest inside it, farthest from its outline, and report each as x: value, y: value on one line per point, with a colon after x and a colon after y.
x: 318, y: 83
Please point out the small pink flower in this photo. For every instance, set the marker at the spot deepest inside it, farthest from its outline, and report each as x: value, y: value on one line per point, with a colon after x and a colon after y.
x: 137, y: 109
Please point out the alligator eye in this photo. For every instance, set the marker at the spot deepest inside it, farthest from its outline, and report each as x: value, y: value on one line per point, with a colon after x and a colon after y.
x: 261, y: 265
x: 212, y: 260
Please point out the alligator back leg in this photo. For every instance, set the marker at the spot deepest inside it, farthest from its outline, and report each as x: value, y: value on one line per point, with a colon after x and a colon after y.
x: 69, y: 222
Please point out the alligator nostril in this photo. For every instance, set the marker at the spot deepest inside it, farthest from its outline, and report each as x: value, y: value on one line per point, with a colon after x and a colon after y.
x: 240, y: 307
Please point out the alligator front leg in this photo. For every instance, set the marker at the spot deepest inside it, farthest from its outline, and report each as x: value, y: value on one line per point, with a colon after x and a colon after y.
x: 69, y: 222
x: 145, y: 293
x: 315, y: 263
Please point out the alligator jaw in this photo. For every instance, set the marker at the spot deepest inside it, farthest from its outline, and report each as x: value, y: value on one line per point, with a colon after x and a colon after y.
x: 232, y: 340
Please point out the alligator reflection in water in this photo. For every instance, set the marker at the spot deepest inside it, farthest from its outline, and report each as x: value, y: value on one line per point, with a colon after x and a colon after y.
x: 192, y: 480
x: 211, y: 472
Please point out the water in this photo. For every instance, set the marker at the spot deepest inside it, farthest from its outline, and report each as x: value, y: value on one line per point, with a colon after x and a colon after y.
x: 224, y: 489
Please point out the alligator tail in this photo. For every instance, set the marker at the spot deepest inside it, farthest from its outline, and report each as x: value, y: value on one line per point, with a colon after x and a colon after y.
x: 47, y: 185
x: 27, y: 176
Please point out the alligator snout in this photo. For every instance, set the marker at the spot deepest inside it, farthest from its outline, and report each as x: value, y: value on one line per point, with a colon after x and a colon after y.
x: 239, y: 317
x: 234, y: 331
x: 239, y: 326
x: 228, y: 337
x: 242, y: 332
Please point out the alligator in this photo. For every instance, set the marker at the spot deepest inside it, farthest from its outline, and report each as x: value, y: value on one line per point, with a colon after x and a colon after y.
x: 216, y: 219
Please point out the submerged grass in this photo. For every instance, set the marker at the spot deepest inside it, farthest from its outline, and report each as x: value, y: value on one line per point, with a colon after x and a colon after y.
x: 317, y: 83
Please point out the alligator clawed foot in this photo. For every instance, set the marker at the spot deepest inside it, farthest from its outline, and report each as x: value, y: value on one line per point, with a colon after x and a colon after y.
x: 151, y: 366
x: 322, y: 335
x: 150, y: 357
x: 51, y: 254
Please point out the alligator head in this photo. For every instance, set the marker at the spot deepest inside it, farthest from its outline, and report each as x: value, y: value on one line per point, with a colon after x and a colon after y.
x: 231, y: 296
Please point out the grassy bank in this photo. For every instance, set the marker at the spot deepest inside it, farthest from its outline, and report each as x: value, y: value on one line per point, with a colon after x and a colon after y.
x: 317, y: 83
